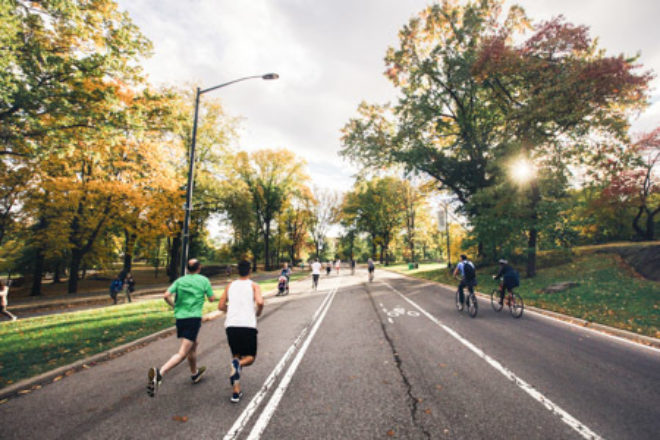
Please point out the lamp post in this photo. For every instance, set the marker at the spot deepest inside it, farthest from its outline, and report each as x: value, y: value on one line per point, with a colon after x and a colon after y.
x: 185, y: 238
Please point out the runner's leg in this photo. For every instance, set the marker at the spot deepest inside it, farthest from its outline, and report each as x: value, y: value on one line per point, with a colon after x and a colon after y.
x: 192, y: 358
x: 176, y: 359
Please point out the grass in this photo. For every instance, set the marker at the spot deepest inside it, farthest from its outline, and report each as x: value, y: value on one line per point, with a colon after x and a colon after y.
x: 609, y: 292
x: 36, y: 345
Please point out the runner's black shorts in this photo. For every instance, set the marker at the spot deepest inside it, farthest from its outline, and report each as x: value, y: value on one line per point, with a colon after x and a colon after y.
x: 371, y: 269
x: 188, y: 328
x: 316, y: 277
x: 242, y: 340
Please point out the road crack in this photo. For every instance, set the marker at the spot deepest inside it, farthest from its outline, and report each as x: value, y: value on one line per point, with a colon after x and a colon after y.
x: 413, y: 402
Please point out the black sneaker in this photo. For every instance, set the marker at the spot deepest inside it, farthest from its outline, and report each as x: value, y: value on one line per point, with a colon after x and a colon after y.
x: 236, y: 397
x: 197, y: 377
x: 155, y: 379
x: 235, y: 374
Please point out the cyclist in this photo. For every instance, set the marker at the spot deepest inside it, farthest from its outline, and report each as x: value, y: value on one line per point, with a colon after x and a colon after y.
x: 316, y: 273
x: 371, y: 268
x: 510, y: 279
x: 468, y: 278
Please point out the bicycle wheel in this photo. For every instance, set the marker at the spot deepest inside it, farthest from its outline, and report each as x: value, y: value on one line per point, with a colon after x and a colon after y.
x: 495, y: 300
x: 459, y: 306
x: 517, y: 306
x: 472, y: 305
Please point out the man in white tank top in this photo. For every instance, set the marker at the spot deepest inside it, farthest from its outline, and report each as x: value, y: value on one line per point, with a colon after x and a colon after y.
x: 242, y: 301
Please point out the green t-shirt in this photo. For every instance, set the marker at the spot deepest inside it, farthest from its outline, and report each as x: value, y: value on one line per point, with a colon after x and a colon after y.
x: 190, y: 291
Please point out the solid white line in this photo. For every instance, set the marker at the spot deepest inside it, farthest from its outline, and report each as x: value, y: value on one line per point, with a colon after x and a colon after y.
x: 565, y: 417
x: 263, y: 420
x: 245, y: 416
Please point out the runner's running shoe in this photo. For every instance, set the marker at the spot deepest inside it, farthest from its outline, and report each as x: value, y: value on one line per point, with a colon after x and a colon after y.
x: 197, y: 377
x: 236, y: 397
x: 155, y: 379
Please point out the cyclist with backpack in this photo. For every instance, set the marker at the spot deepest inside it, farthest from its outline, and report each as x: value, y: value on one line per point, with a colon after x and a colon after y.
x: 510, y: 278
x: 468, y: 278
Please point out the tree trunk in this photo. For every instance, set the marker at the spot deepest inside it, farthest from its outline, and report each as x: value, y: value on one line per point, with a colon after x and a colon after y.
x: 74, y: 269
x: 37, y: 273
x: 266, y: 246
x: 650, y: 224
x: 175, y: 256
x: 129, y: 245
x: 57, y: 273
x: 640, y: 232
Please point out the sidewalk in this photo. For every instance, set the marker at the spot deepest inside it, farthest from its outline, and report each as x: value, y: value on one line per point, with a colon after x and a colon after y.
x: 100, y: 297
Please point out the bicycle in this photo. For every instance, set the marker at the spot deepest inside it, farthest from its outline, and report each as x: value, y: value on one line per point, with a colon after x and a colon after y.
x: 470, y: 302
x: 513, y: 300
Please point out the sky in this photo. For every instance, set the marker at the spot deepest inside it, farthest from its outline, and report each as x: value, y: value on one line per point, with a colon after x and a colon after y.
x: 329, y: 55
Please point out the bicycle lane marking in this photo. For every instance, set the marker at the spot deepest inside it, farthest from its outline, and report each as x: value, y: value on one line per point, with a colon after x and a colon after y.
x: 565, y: 417
x: 242, y: 421
x: 263, y: 420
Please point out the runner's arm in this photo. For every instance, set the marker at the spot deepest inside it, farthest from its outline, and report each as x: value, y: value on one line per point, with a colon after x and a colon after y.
x: 258, y: 299
x: 210, y: 297
x: 168, y: 298
x: 222, y: 302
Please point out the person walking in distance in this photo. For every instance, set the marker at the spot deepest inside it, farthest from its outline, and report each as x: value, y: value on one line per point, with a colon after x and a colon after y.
x: 243, y: 303
x: 129, y: 286
x: 316, y: 273
x: 186, y: 296
x: 4, y: 291
x: 337, y: 265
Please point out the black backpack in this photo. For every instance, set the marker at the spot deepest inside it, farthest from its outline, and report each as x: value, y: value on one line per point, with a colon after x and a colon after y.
x: 468, y: 271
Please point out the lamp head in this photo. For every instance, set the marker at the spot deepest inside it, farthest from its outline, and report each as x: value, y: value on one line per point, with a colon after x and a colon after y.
x: 270, y: 76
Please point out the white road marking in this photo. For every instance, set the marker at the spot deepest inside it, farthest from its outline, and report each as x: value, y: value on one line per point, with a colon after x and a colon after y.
x: 245, y: 416
x: 565, y: 417
x: 268, y: 411
x: 390, y: 320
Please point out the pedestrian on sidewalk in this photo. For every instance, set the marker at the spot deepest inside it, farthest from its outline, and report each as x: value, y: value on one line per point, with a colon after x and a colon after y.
x: 4, y: 291
x: 189, y: 292
x: 115, y: 287
x: 129, y: 286
x: 242, y: 301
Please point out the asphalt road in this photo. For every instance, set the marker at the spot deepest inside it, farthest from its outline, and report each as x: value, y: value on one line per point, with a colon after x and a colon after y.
x: 388, y: 359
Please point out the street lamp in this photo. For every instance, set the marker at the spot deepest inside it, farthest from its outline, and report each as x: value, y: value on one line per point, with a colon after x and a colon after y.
x: 187, y: 207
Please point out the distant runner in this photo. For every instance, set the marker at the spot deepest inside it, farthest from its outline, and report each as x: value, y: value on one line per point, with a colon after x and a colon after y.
x: 189, y: 292
x: 316, y: 273
x: 371, y: 268
x: 337, y: 265
x: 243, y: 302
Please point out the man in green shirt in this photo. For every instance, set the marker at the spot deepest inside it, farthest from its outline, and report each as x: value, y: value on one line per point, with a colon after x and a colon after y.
x: 186, y: 295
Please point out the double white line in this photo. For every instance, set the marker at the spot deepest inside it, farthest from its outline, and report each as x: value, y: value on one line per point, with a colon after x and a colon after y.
x: 261, y: 423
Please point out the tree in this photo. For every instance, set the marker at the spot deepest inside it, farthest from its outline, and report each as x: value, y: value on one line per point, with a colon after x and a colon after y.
x: 376, y: 207
x: 271, y: 177
x: 323, y: 215
x: 56, y: 56
x: 633, y: 181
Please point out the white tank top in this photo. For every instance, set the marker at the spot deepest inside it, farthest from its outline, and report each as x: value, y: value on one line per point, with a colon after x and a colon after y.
x: 241, y: 310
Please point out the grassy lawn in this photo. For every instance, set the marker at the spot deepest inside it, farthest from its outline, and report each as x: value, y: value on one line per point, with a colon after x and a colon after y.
x: 33, y: 346
x: 609, y: 292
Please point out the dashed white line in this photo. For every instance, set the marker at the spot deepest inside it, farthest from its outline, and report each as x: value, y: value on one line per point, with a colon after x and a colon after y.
x: 565, y: 417
x: 263, y: 420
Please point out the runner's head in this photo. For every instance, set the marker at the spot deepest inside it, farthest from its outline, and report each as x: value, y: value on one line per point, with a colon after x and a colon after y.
x: 286, y: 265
x: 194, y: 266
x: 463, y: 257
x: 244, y: 268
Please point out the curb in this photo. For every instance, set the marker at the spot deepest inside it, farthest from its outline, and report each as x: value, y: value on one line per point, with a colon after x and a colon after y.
x: 644, y: 340
x: 26, y: 386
